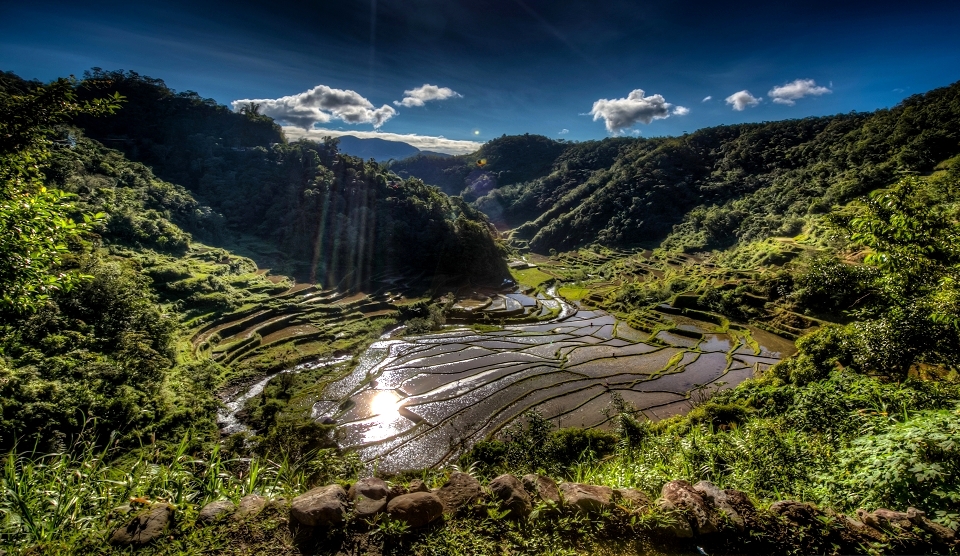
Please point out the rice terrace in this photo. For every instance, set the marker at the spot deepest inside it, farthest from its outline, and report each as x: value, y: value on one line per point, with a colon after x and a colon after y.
x: 456, y: 278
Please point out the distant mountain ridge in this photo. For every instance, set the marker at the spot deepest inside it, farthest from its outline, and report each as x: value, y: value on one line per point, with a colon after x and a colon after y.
x: 703, y: 190
x: 378, y: 149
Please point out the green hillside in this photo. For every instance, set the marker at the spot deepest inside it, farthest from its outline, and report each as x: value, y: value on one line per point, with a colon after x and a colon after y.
x: 182, y: 288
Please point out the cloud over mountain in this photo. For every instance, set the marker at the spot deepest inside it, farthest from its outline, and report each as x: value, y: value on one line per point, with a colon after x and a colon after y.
x: 789, y: 93
x: 423, y: 142
x: 322, y: 104
x: 421, y: 95
x: 742, y: 99
x: 622, y: 113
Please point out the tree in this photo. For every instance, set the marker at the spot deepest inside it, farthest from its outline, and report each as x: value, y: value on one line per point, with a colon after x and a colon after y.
x: 35, y: 223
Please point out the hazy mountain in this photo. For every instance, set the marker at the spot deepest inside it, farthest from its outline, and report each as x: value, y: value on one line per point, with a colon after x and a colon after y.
x: 380, y: 150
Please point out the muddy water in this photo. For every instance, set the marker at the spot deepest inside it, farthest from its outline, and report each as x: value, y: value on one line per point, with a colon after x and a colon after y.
x: 419, y: 402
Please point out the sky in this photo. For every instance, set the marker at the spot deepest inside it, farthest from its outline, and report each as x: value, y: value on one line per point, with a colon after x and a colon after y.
x: 446, y: 75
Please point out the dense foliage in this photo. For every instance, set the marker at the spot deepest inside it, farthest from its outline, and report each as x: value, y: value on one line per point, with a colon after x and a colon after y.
x: 340, y: 219
x: 102, y: 277
x: 34, y: 222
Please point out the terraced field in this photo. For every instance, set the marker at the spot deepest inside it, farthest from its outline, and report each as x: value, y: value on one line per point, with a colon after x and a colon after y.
x: 418, y: 402
x: 296, y: 325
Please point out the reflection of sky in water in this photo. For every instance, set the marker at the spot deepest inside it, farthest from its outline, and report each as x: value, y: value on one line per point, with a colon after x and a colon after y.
x: 418, y: 401
x: 385, y: 420
x: 385, y: 403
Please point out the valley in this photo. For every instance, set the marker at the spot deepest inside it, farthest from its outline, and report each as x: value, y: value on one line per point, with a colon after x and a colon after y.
x: 198, y: 313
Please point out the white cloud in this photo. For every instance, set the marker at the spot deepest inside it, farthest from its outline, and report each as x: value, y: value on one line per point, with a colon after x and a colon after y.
x: 707, y: 98
x: 422, y: 142
x: 321, y: 104
x: 564, y: 131
x: 622, y: 113
x: 681, y: 111
x: 421, y: 95
x: 789, y: 93
x: 742, y: 99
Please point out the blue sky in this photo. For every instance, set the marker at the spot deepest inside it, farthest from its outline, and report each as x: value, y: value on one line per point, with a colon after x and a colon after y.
x: 504, y: 66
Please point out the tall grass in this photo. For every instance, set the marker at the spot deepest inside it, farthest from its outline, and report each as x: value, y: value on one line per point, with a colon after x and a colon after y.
x: 53, y: 498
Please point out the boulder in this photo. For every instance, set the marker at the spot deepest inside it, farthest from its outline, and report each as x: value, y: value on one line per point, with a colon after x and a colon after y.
x: 674, y: 522
x: 417, y: 485
x: 741, y: 504
x: 682, y: 495
x: 416, y: 509
x: 588, y: 499
x: 251, y: 504
x: 324, y: 506
x: 632, y: 497
x: 149, y: 525
x: 887, y: 520
x: 370, y: 496
x: 460, y: 490
x: 940, y: 533
x: 509, y: 491
x: 859, y: 530
x: 216, y: 510
x: 542, y: 487
x: 718, y: 500
x: 797, y: 513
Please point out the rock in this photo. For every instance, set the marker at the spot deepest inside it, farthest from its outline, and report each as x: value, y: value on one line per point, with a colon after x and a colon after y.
x: 251, y: 504
x: 542, y: 487
x: 215, y: 510
x: 588, y: 499
x: 461, y: 489
x: 797, y: 513
x: 632, y: 497
x: 941, y: 534
x: 689, y: 501
x: 675, y: 523
x: 509, y: 490
x: 718, y: 500
x: 416, y: 509
x: 370, y: 496
x: 742, y: 505
x: 146, y: 527
x: 324, y: 506
x: 887, y: 520
x: 857, y: 528
x: 417, y: 485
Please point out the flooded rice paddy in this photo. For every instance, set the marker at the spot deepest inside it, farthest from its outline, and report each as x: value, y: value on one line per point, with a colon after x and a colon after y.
x: 421, y: 401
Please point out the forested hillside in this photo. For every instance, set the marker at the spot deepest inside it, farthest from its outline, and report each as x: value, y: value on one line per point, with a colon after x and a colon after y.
x: 339, y: 218
x: 101, y: 270
x: 146, y: 365
x: 703, y: 190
